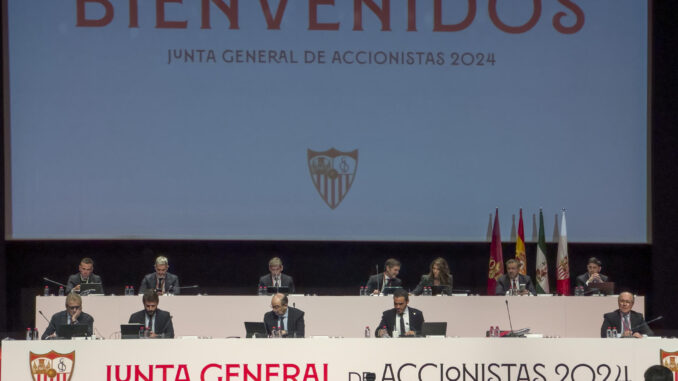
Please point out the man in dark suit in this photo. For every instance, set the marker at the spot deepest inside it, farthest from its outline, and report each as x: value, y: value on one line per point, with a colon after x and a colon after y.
x: 157, y: 321
x: 73, y: 315
x: 276, y: 278
x: 512, y: 280
x: 629, y: 323
x: 389, y: 278
x: 161, y: 281
x: 592, y: 275
x: 289, y: 320
x: 85, y: 275
x: 401, y: 320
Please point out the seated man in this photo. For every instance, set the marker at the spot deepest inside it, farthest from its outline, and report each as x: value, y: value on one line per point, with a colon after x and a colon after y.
x: 85, y: 275
x: 276, y: 278
x: 629, y: 323
x: 401, y: 320
x: 288, y: 319
x: 512, y: 281
x: 161, y: 281
x: 389, y: 278
x: 73, y: 315
x: 658, y: 373
x: 157, y: 321
x: 592, y: 274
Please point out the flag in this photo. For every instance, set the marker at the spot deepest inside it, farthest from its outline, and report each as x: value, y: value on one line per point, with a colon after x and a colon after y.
x: 496, y: 267
x: 563, y: 269
x: 520, y: 246
x: 542, y: 273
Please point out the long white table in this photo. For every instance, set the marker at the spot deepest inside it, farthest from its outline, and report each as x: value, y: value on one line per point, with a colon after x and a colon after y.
x: 347, y: 316
x: 333, y: 359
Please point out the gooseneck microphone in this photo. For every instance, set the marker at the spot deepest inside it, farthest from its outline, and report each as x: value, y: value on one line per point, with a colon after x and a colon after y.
x: 509, y: 316
x: 54, y: 282
x: 43, y: 316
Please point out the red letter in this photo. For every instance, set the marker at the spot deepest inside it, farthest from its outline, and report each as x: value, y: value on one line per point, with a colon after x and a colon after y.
x: 411, y: 15
x: 313, y: 23
x: 83, y: 21
x: 230, y: 374
x: 273, y: 23
x: 231, y: 11
x: 208, y: 366
x: 133, y: 14
x: 129, y: 373
x: 164, y: 370
x: 311, y: 373
x: 438, y: 25
x: 384, y: 13
x: 247, y: 374
x: 140, y: 376
x: 577, y: 11
x: 182, y: 371
x: 160, y: 16
x: 287, y: 375
x: 270, y: 372
x: 536, y: 13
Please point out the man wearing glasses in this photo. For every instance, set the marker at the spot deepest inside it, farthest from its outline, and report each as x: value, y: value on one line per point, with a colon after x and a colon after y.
x: 289, y: 321
x: 73, y: 315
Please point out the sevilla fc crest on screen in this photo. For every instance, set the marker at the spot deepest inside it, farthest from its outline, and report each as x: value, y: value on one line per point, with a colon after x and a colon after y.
x: 332, y: 172
x: 52, y: 366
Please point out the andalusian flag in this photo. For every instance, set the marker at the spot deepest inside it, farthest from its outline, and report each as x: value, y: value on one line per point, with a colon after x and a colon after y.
x: 563, y: 269
x: 520, y: 246
x: 542, y: 273
x: 496, y: 267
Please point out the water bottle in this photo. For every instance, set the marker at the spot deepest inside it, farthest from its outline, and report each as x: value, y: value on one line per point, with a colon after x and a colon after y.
x: 29, y: 334
x: 141, y: 332
x: 61, y: 290
x: 497, y: 332
x: 126, y: 290
x: 46, y: 291
x: 35, y: 334
x: 362, y: 291
x: 609, y: 332
x: 274, y: 332
x: 265, y: 292
x: 386, y: 334
x: 429, y: 291
x: 131, y: 290
x: 367, y: 331
x: 147, y: 333
x: 614, y: 332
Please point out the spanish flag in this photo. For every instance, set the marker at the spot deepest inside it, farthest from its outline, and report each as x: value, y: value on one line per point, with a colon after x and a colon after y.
x: 520, y: 246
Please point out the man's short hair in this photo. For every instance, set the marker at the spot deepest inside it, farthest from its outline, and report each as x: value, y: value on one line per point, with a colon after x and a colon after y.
x: 161, y: 260
x: 658, y: 373
x: 87, y: 261
x: 633, y: 296
x: 73, y: 297
x: 392, y: 262
x: 283, y: 298
x: 150, y: 296
x: 594, y: 260
x: 275, y: 261
x: 511, y: 261
x: 400, y: 293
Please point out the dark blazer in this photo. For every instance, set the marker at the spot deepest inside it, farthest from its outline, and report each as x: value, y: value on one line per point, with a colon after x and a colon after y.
x: 171, y: 283
x: 581, y: 280
x: 503, y: 284
x: 376, y: 282
x: 163, y: 322
x: 426, y: 281
x: 285, y: 281
x: 74, y: 280
x: 388, y: 319
x: 61, y: 317
x: 613, y: 319
x: 295, y: 322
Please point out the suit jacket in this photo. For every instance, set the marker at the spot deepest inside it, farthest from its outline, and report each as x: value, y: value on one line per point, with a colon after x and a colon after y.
x: 581, y: 280
x: 613, y: 319
x: 376, y: 282
x: 61, y: 317
x: 503, y: 284
x: 163, y: 322
x: 295, y: 322
x: 426, y: 281
x: 388, y: 319
x: 74, y: 280
x: 171, y: 283
x: 285, y: 281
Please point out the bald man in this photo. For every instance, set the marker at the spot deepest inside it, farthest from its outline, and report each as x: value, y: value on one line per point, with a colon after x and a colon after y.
x: 629, y: 323
x: 289, y: 319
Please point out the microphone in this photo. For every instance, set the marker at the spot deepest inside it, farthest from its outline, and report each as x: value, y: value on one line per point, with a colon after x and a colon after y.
x: 54, y: 282
x: 647, y: 323
x: 509, y: 316
x: 47, y: 320
x: 183, y: 287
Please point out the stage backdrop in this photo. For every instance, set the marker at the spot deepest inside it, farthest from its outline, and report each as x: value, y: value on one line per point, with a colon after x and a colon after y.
x: 322, y: 119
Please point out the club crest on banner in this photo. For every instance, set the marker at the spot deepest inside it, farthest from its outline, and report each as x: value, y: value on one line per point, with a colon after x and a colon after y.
x: 332, y: 173
x: 52, y: 366
x: 669, y: 360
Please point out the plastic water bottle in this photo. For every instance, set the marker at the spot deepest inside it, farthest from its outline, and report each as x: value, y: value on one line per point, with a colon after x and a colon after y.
x: 141, y: 332
x: 386, y: 334
x: 497, y: 332
x: 265, y: 291
x: 614, y: 332
x: 274, y: 332
x: 61, y: 290
x: 131, y: 290
x: 46, y: 291
x: 29, y: 334
x: 126, y: 290
x: 609, y: 332
x: 367, y: 331
x: 35, y: 334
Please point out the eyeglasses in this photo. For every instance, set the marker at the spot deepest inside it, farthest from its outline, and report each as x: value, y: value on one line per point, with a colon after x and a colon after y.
x: 276, y: 307
x: 74, y: 308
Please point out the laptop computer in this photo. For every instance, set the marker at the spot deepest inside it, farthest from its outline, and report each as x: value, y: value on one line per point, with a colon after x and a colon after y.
x: 91, y: 289
x: 434, y: 328
x: 390, y: 290
x: 441, y: 290
x: 69, y: 331
x: 275, y: 290
x: 605, y: 288
x: 255, y: 329
x: 130, y: 331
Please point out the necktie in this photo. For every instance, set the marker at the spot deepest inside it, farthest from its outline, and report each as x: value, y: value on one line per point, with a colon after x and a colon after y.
x: 281, y: 322
x: 277, y: 282
x: 514, y: 286
x: 402, y: 325
x: 626, y: 326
